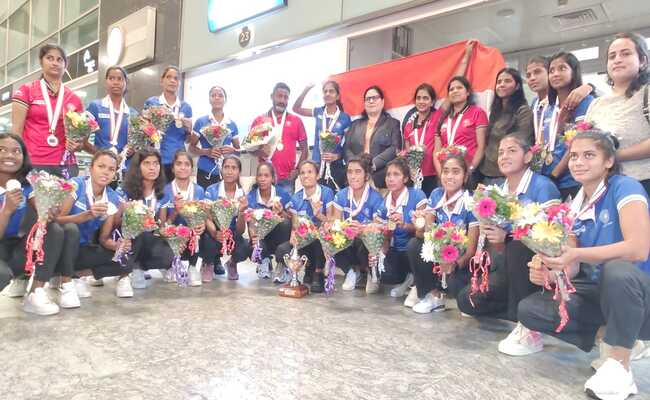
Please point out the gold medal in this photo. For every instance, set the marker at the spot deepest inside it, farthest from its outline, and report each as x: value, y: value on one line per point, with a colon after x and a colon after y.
x: 549, y: 159
x: 392, y: 225
x: 280, y: 146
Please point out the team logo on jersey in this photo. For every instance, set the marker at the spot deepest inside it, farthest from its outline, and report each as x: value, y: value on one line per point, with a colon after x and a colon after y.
x: 603, y: 217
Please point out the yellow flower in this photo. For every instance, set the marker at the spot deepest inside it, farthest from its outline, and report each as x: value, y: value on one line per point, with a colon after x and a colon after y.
x: 546, y: 231
x: 515, y: 211
x: 338, y: 239
x: 191, y: 208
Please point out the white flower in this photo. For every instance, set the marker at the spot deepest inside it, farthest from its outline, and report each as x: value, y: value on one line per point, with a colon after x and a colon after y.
x: 336, y: 226
x: 258, y: 214
x: 428, y: 250
x: 12, y: 184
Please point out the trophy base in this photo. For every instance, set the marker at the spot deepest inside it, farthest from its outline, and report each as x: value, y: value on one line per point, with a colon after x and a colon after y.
x: 296, y: 292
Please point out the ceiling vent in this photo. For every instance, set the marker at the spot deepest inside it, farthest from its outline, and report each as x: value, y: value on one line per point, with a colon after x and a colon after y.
x: 578, y: 18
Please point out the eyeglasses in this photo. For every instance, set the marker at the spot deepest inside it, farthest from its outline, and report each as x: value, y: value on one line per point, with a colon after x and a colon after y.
x: 372, y: 99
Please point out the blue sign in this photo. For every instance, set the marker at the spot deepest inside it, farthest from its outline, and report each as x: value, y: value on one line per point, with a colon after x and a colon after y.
x: 226, y: 13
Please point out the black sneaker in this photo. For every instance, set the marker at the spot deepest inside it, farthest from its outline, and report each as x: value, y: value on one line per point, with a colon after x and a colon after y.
x: 362, y: 277
x: 318, y: 284
x: 218, y: 268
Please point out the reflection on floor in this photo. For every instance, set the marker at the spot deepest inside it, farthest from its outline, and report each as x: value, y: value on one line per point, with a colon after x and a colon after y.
x: 239, y: 340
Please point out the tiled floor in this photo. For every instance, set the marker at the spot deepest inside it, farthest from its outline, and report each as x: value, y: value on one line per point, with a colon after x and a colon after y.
x: 239, y: 340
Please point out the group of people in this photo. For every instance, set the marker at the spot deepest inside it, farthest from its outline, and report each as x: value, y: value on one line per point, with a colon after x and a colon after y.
x: 368, y: 179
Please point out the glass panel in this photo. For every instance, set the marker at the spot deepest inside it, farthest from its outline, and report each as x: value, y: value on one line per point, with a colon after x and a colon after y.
x: 17, y: 68
x: 2, y: 75
x: 5, y: 123
x: 87, y: 93
x: 34, y: 61
x: 80, y: 33
x: 45, y: 19
x: 14, y: 4
x: 74, y: 8
x: 18, y: 31
x: 4, y: 9
x: 3, y: 41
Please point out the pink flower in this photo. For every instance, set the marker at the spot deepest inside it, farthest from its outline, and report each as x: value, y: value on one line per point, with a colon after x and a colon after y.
x: 170, y: 230
x: 349, y: 233
x: 183, y: 231
x: 449, y: 254
x: 268, y: 214
x: 448, y: 224
x: 456, y: 237
x: 519, y: 232
x: 583, y: 126
x: 487, y: 207
x: 439, y: 234
x: 302, y: 230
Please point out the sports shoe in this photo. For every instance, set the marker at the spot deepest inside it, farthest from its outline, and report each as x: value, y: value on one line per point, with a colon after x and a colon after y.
x: 68, y: 297
x: 95, y: 282
x: 430, y: 303
x: 403, y: 287
x: 412, y: 299
x: 350, y: 280
x: 17, y: 288
x: 611, y: 382
x: 362, y: 279
x: 54, y: 283
x: 39, y: 303
x: 640, y: 351
x: 318, y: 283
x: 168, y: 275
x: 123, y: 288
x: 218, y: 268
x: 233, y: 275
x: 195, y: 276
x: 138, y: 280
x: 521, y: 342
x: 281, y: 273
x: 207, y: 272
x: 264, y: 269
x: 83, y: 291
x: 372, y: 287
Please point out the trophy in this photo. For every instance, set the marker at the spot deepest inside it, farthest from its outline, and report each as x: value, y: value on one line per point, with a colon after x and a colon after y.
x: 296, y: 264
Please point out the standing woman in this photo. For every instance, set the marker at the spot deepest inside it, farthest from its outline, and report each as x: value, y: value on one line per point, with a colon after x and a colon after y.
x: 176, y: 134
x: 375, y: 133
x: 509, y: 115
x: 463, y: 124
x: 37, y: 114
x: 145, y: 182
x: 208, y: 171
x: 358, y: 202
x: 564, y: 76
x: 625, y: 112
x: 420, y: 130
x: 329, y: 118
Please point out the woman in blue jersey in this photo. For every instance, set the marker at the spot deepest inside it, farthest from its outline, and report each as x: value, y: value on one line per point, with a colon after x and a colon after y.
x: 329, y: 118
x: 310, y: 202
x: 229, y: 188
x: 112, y: 115
x: 265, y: 194
x: 448, y: 203
x: 564, y: 76
x: 397, y: 210
x: 208, y: 168
x: 177, y: 132
x: 358, y: 202
x: 145, y: 182
x: 178, y: 191
x: 94, y: 204
x: 607, y: 260
x: 508, y: 280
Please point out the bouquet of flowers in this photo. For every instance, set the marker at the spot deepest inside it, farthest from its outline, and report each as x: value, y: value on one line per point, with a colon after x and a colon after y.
x: 177, y: 236
x: 258, y: 136
x: 136, y: 219
x: 541, y: 155
x: 572, y: 130
x: 449, y: 150
x: 329, y: 142
x: 373, y: 236
x: 223, y: 211
x: 49, y: 192
x: 335, y: 237
x: 160, y: 116
x: 414, y: 157
x: 194, y: 212
x: 545, y: 231
x: 444, y: 243
x: 263, y: 222
x: 304, y: 232
x: 78, y: 127
x: 215, y: 134
x: 142, y: 133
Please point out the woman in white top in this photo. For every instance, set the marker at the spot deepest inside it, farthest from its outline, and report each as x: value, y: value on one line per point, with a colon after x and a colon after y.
x: 621, y: 112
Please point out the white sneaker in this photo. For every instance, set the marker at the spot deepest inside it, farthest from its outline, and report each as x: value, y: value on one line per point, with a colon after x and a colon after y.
x: 350, y: 280
x: 123, y: 288
x: 54, y: 283
x: 17, y: 288
x: 401, y: 290
x: 430, y: 303
x: 611, y: 382
x: 521, y: 342
x: 95, y: 282
x: 412, y: 299
x: 264, y: 270
x: 371, y: 286
x: 167, y: 275
x: 39, y: 303
x: 195, y: 276
x: 639, y: 351
x: 68, y: 297
x: 83, y: 291
x: 138, y: 280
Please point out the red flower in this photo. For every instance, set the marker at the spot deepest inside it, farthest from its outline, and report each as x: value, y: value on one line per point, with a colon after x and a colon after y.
x: 448, y: 224
x: 170, y: 230
x: 456, y: 237
x: 149, y: 130
x: 183, y: 231
x: 520, y: 231
x: 149, y: 222
x: 67, y: 186
x: 439, y: 234
x: 327, y: 237
x: 583, y: 126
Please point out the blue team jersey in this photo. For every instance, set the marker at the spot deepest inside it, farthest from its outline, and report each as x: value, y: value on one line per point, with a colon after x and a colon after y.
x: 341, y: 125
x: 174, y: 138
x: 600, y: 224
x: 196, y: 192
x: 460, y: 215
x: 565, y: 180
x: 217, y: 191
x: 207, y: 164
x: 368, y: 208
x: 415, y: 198
x: 150, y: 201
x: 301, y: 206
x: 254, y: 200
x: 88, y: 230
x: 13, y: 226
x: 536, y: 188
x: 100, y: 110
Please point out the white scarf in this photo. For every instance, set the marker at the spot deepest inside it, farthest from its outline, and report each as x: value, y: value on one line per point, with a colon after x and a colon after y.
x: 354, y: 208
x: 444, y: 202
x: 187, y: 194
x: 221, y: 192
x: 333, y: 119
x: 174, y: 107
x: 271, y: 198
x: 587, y: 211
x: 400, y: 202
x: 90, y: 196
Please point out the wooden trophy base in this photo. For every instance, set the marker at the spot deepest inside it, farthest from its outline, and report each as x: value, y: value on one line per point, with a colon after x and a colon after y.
x: 295, y: 292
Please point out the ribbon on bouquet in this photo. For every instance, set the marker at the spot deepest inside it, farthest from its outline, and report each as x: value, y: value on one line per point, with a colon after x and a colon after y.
x: 479, y: 265
x: 326, y: 173
x: 563, y: 288
x: 377, y: 266
x: 330, y: 266
x: 120, y: 255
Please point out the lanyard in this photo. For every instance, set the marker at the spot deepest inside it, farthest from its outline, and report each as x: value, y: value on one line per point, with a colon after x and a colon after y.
x: 419, y: 137
x: 592, y: 201
x: 333, y: 118
x: 115, y: 124
x: 354, y: 208
x: 538, y: 120
x: 151, y: 200
x: 278, y: 129
x: 451, y: 132
x: 52, y: 117
x: 552, y: 134
x: 186, y: 195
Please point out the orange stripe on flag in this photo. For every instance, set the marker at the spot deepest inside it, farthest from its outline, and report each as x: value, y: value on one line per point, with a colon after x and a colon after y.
x: 399, y: 78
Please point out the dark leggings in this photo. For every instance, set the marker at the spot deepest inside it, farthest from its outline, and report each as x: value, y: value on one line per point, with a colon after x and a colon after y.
x: 313, y: 252
x: 426, y: 280
x: 509, y: 284
x: 150, y: 252
x: 12, y: 259
x: 429, y: 183
x: 275, y: 238
x: 338, y: 174
x: 100, y: 261
x: 357, y: 254
x: 396, y: 266
x: 621, y: 301
x: 204, y: 182
x: 210, y: 249
x: 61, y: 247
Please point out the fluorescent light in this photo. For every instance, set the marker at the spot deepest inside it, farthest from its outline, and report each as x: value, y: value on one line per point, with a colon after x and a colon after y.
x: 590, y: 53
